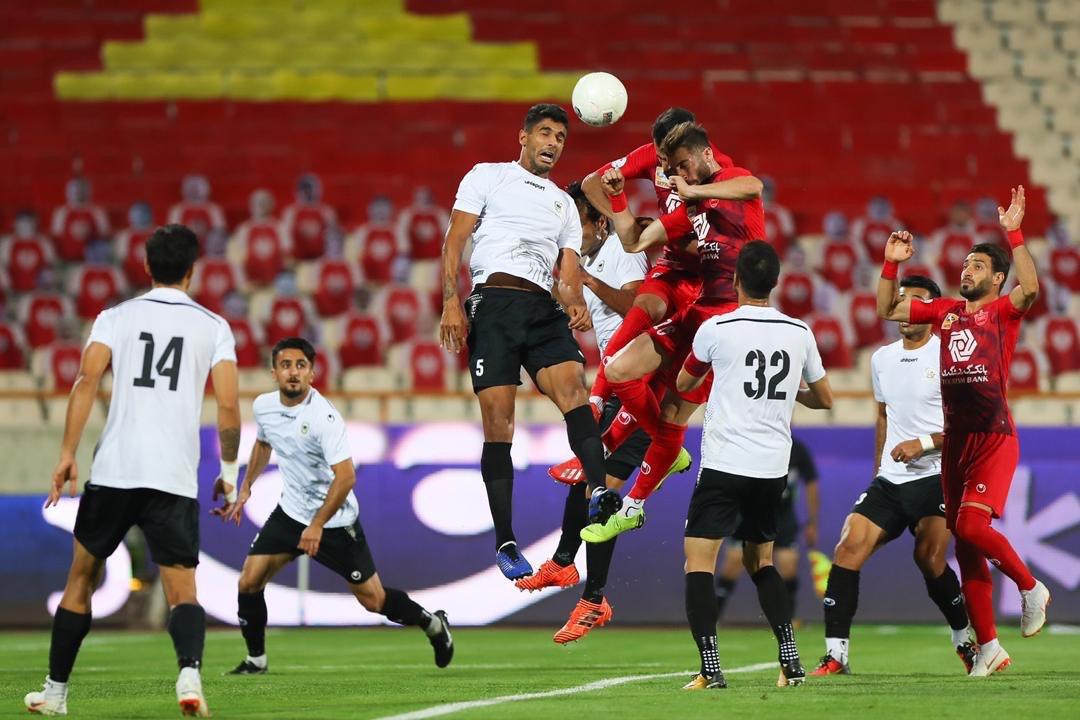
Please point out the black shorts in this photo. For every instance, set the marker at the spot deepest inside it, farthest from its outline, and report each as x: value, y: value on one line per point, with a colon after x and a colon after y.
x: 169, y: 522
x: 725, y: 505
x: 627, y: 457
x: 511, y: 329
x: 343, y: 549
x: 893, y: 507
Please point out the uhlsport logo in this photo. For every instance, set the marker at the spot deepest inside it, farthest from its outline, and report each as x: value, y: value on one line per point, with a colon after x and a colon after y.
x: 962, y: 345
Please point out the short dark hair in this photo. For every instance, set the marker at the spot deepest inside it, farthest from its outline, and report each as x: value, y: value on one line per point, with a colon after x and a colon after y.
x: 921, y: 281
x: 170, y: 253
x: 758, y: 268
x: 999, y: 260
x: 668, y: 119
x: 541, y: 111
x: 685, y: 135
x: 293, y: 343
x: 575, y: 191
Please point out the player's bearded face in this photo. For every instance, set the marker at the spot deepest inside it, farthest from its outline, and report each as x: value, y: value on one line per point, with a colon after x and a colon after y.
x: 977, y: 278
x: 692, y: 166
x: 293, y: 373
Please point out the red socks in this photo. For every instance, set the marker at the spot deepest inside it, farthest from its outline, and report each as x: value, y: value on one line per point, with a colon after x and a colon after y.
x: 978, y: 588
x: 973, y: 527
x: 667, y: 441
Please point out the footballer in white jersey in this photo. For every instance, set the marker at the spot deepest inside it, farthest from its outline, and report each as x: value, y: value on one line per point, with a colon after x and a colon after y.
x: 317, y: 514
x: 763, y: 362
x: 162, y: 346
x: 522, y: 226
x: 906, y: 492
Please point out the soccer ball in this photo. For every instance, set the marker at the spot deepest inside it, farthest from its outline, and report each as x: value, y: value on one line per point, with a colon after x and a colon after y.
x: 599, y: 99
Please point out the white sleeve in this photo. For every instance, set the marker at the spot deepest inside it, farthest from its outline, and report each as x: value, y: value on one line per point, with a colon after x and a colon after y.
x: 473, y: 191
x: 334, y: 439
x: 704, y: 343
x: 224, y: 344
x: 104, y: 329
x: 632, y: 268
x: 813, y: 370
x: 875, y: 380
x: 570, y: 236
x: 260, y: 434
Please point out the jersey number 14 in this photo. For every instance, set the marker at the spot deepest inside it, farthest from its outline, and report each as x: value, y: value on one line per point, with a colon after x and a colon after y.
x: 756, y: 390
x: 168, y: 365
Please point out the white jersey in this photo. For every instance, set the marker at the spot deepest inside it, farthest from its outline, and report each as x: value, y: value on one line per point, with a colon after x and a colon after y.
x: 525, y: 220
x: 909, y: 383
x: 163, y: 346
x: 615, y: 267
x: 309, y: 439
x: 758, y: 355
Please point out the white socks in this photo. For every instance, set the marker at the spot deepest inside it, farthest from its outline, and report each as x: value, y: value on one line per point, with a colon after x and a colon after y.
x: 259, y: 662
x: 435, y: 626
x: 837, y: 648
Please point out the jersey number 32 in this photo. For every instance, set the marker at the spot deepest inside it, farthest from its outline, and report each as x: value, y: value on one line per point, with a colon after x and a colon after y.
x: 755, y: 390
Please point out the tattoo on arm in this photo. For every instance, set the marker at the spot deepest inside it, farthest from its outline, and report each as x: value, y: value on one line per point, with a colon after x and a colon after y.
x: 229, y: 438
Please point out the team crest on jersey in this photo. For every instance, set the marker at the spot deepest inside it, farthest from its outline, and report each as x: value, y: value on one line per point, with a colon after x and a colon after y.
x: 618, y: 163
x: 930, y: 373
x: 304, y: 428
x: 981, y: 317
x: 962, y: 345
x: 600, y: 267
x: 559, y: 208
x: 948, y: 321
x: 662, y: 179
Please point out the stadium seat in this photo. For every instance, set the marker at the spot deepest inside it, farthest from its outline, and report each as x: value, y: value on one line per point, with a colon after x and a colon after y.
x: 1035, y: 411
x: 20, y: 413
x: 1014, y: 12
x: 368, y: 379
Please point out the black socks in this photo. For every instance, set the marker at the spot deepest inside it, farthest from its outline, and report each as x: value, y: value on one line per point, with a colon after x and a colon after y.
x: 584, y: 436
x: 68, y: 631
x: 497, y: 469
x: 252, y: 614
x: 841, y: 601
x: 701, y: 613
x: 187, y: 627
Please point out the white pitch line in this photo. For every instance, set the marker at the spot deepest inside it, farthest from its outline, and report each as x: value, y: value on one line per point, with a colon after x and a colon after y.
x: 448, y: 708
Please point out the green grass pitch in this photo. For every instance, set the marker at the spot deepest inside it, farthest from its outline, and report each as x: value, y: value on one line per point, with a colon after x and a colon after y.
x: 904, y: 671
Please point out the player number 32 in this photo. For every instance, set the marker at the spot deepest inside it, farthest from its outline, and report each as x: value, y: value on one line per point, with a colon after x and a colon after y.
x: 756, y: 390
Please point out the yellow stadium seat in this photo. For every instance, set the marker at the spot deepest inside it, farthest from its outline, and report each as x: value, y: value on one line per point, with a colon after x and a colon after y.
x: 404, y: 87
x: 83, y: 86
x: 254, y: 85
x: 320, y: 86
x: 173, y: 27
x: 166, y: 85
x: 440, y: 28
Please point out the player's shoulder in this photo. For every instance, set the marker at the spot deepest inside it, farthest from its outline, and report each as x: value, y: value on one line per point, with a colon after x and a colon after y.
x: 265, y: 402
x: 885, y: 352
x: 488, y: 170
x: 323, y: 408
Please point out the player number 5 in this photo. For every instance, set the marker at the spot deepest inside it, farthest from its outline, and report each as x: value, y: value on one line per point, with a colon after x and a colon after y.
x: 479, y: 367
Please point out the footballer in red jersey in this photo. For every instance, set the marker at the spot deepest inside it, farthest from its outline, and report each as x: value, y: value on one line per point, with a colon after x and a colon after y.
x: 729, y: 199
x: 980, y: 451
x: 673, y: 282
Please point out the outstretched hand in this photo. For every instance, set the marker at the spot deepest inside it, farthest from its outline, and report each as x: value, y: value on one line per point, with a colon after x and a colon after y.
x: 899, y: 248
x: 1010, y: 219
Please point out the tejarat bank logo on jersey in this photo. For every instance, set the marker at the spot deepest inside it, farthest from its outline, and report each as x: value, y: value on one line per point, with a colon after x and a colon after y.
x: 962, y: 345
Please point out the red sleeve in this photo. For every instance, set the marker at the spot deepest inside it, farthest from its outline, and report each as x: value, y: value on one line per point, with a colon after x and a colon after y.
x: 731, y: 172
x: 639, y: 163
x: 927, y: 312
x: 677, y: 223
x: 1007, y: 312
x: 696, y: 367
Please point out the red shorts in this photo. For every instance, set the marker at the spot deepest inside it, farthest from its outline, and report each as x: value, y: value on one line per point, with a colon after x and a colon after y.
x: 977, y: 468
x: 677, y: 288
x: 675, y: 337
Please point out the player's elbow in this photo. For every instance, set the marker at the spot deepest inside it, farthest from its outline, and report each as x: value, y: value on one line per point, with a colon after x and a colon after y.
x: 686, y: 382
x: 754, y: 188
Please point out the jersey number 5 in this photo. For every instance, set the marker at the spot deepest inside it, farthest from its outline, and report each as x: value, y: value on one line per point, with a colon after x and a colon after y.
x: 756, y: 390
x: 168, y: 365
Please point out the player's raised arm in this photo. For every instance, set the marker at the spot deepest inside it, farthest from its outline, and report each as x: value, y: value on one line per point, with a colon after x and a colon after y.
x: 594, y: 191
x: 890, y: 306
x: 634, y: 238
x: 1027, y: 280
x: 452, y: 327
x: 745, y: 187
x: 95, y: 361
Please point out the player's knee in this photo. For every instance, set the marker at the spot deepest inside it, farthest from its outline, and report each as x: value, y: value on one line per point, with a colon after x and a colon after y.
x: 851, y: 551
x: 930, y: 559
x: 970, y: 523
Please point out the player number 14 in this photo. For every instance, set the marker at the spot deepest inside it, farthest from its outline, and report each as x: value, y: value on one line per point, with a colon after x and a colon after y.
x: 168, y: 365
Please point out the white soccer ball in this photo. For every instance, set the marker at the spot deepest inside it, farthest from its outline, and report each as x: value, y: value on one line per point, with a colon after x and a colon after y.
x: 599, y: 99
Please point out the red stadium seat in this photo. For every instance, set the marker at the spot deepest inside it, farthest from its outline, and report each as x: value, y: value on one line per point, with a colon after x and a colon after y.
x: 838, y: 265
x: 289, y: 317
x: 832, y: 343
x: 131, y: 254
x: 24, y: 259
x: 306, y: 227
x: 1065, y: 267
x: 1061, y: 344
x: 62, y: 361
x: 334, y: 287
x: 74, y: 227
x: 95, y: 288
x: 427, y: 366
x: 795, y: 295
x: 214, y: 279
x: 262, y: 249
x: 1024, y: 371
x: 361, y: 343
x: 249, y: 351
x: 401, y: 309
x: 12, y: 347
x: 869, y: 329
x: 40, y: 313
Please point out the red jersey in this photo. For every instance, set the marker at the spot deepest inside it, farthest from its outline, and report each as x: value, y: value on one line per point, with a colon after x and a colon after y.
x: 644, y: 164
x: 976, y: 350
x: 731, y: 224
